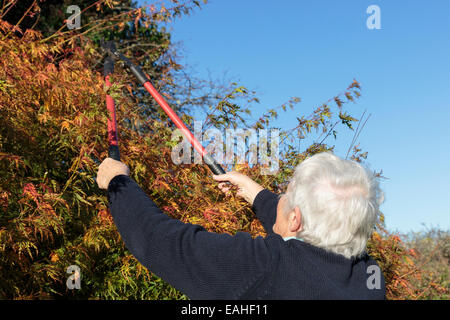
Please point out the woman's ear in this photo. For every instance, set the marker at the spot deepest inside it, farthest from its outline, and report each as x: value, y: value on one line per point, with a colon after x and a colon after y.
x: 295, y: 220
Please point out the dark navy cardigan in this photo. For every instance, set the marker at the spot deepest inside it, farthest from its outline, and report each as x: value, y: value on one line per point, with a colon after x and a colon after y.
x: 206, y: 265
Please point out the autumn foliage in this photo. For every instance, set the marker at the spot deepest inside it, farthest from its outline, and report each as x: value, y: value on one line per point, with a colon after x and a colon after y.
x: 53, y: 137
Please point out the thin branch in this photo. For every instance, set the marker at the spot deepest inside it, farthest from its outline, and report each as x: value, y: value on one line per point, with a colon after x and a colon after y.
x: 21, y: 19
x: 329, y: 131
x: 357, y: 133
x: 11, y: 4
x: 64, y: 24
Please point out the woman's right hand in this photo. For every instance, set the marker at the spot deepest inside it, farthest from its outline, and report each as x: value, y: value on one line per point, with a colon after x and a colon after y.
x: 247, y: 188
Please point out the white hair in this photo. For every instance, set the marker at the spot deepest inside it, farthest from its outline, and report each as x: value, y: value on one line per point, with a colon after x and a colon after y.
x: 339, y: 203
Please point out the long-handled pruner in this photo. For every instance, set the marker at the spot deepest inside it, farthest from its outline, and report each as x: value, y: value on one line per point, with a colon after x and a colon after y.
x: 142, y: 78
x: 113, y: 140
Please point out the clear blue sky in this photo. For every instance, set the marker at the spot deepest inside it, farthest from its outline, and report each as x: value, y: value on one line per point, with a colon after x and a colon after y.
x: 313, y: 49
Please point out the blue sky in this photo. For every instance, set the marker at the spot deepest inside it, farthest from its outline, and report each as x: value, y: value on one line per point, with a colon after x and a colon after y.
x: 314, y: 49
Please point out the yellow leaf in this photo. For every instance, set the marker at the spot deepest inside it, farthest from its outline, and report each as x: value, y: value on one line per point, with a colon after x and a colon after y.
x: 65, y: 125
x: 54, y: 257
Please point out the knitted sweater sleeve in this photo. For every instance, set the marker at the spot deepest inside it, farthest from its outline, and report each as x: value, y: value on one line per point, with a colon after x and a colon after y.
x: 265, y: 208
x: 201, y: 264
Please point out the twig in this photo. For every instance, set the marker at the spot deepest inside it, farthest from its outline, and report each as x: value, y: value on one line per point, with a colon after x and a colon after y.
x: 23, y: 17
x: 11, y: 4
x: 329, y: 131
x: 357, y: 133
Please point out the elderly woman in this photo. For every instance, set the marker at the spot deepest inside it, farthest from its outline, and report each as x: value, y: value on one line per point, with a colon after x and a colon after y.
x: 315, y: 247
